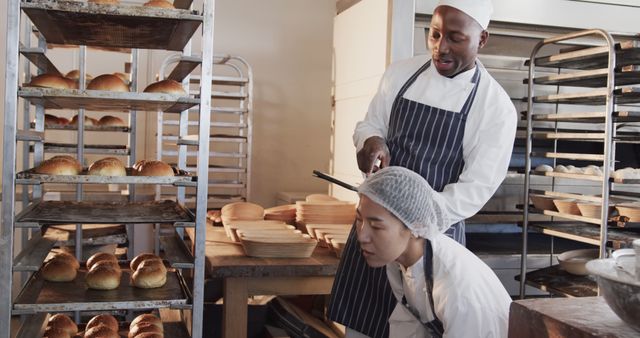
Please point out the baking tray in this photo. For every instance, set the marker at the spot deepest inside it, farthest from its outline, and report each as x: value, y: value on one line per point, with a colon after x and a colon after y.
x: 585, y: 177
x: 97, y: 149
x: 589, y: 117
x: 82, y: 23
x: 67, y: 212
x: 624, y: 76
x: 182, y: 178
x: 100, y: 100
x: 625, y: 95
x: 39, y: 295
x: 627, y: 53
x: 86, y: 128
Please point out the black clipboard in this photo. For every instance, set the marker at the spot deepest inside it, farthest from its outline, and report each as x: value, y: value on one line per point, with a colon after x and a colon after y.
x: 332, y: 179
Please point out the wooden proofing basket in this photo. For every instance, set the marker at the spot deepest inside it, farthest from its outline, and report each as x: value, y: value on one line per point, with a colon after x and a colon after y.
x: 274, y: 247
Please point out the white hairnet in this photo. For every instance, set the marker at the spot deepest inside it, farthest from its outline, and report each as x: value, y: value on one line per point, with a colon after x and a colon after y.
x: 410, y: 198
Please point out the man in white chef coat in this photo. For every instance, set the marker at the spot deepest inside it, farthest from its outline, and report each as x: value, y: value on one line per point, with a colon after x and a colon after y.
x: 448, y: 120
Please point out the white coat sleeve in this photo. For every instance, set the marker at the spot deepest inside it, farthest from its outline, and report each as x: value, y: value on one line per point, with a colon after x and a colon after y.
x: 376, y: 121
x: 486, y: 165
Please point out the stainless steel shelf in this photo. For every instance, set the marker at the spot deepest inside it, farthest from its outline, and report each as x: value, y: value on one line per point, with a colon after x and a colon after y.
x: 223, y: 80
x: 212, y: 124
x: 570, y: 156
x: 584, y: 177
x: 616, y: 237
x: 185, y: 66
x: 38, y: 57
x: 557, y: 281
x: 588, y: 117
x: 37, y: 249
x: 68, y: 148
x: 86, y: 128
x: 223, y: 95
x: 627, y: 75
x: 211, y: 154
x: 182, y: 178
x: 99, y: 100
x: 625, y: 95
x: 192, y: 140
x: 176, y: 252
x: 627, y: 53
x: 81, y: 23
x: 30, y: 136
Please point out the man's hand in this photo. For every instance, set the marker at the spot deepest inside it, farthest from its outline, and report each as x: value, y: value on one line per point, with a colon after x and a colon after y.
x: 374, y: 149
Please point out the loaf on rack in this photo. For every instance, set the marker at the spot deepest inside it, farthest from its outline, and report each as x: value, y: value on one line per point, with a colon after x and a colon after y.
x: 140, y: 328
x: 103, y: 277
x: 100, y: 256
x: 103, y: 319
x: 149, y: 271
x: 50, y: 81
x: 159, y: 4
x: 101, y: 331
x: 64, y: 323
x: 67, y: 257
x: 147, y: 318
x: 111, y: 121
x: 75, y: 76
x: 137, y: 260
x: 88, y: 121
x: 57, y: 270
x: 153, y: 168
x: 54, y: 332
x: 167, y: 87
x: 108, y: 82
x: 108, y: 166
x: 109, y: 264
x: 156, y: 263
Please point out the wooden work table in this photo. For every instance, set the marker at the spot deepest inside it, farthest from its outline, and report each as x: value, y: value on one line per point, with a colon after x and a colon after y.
x: 249, y: 276
x: 580, y: 317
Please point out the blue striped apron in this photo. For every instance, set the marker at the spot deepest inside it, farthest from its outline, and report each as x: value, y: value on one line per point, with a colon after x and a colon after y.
x: 427, y: 140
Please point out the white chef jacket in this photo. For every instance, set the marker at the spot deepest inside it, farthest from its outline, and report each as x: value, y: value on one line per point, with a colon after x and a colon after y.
x: 488, y: 135
x: 468, y: 297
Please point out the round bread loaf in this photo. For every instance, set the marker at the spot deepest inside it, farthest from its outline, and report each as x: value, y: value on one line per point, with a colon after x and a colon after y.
x: 67, y: 257
x: 153, y: 263
x: 103, y: 319
x: 149, y: 278
x: 103, y: 277
x: 167, y: 87
x: 105, y: 2
x: 75, y: 75
x: 68, y: 158
x: 149, y: 335
x: 110, y: 264
x: 159, y: 3
x: 109, y: 166
x: 59, y: 166
x: 108, y: 82
x: 100, y: 256
x: 55, y: 332
x: 88, y: 121
x: 155, y: 168
x: 143, y: 328
x: 140, y: 258
x: 50, y: 120
x: 124, y: 77
x: 64, y: 323
x: 113, y: 121
x: 63, y: 120
x: 147, y: 318
x: 101, y: 331
x: 138, y: 165
x: 58, y: 271
x: 49, y: 81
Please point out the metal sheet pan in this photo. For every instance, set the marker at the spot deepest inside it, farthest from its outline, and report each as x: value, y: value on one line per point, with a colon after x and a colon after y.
x: 625, y: 95
x: 627, y: 53
x: 182, y: 178
x: 86, y: 128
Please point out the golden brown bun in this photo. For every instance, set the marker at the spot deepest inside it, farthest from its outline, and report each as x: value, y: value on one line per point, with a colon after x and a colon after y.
x: 55, y: 332
x: 124, y: 77
x: 138, y: 165
x: 67, y: 257
x: 103, y: 277
x: 75, y: 76
x: 110, y: 264
x: 153, y: 263
x: 103, y: 319
x: 143, y: 328
x: 63, y: 120
x: 63, y: 322
x: 100, y: 256
x: 147, y: 318
x: 49, y: 81
x: 159, y: 3
x: 50, y: 120
x: 109, y: 166
x: 59, y: 166
x: 108, y: 82
x: 88, y: 121
x: 101, y: 331
x: 149, y: 335
x: 105, y: 2
x: 140, y: 258
x: 149, y: 278
x: 109, y: 120
x: 58, y: 271
x: 155, y: 168
x: 167, y: 87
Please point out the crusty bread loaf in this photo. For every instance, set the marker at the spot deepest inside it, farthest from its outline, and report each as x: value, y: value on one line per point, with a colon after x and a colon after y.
x: 140, y: 328
x: 88, y: 121
x: 55, y: 332
x: 109, y: 166
x: 155, y: 168
x: 140, y: 258
x: 154, y: 263
x: 49, y: 81
x: 113, y: 121
x: 67, y: 257
x: 149, y: 278
x: 124, y: 77
x: 58, y: 271
x: 167, y: 87
x: 103, y: 319
x: 75, y: 76
x: 147, y: 318
x: 110, y: 264
x: 59, y: 165
x: 150, y: 335
x: 108, y: 82
x: 64, y: 323
x: 100, y: 256
x: 159, y: 3
x: 101, y: 331
x: 103, y: 277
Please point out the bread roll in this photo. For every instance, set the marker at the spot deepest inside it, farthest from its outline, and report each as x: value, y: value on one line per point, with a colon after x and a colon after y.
x: 167, y: 87
x: 63, y: 322
x: 110, y: 264
x: 149, y: 278
x: 109, y: 120
x: 147, y: 318
x: 50, y: 120
x: 155, y: 168
x: 54, y: 332
x: 149, y: 335
x: 109, y: 166
x: 105, y: 2
x: 139, y: 258
x: 71, y: 259
x: 154, y: 263
x: 103, y: 277
x: 88, y: 121
x: 75, y: 75
x: 143, y: 328
x: 101, y: 331
x: 108, y: 82
x: 159, y: 3
x: 49, y: 81
x: 59, y: 166
x: 58, y: 271
x: 103, y: 319
x: 124, y: 77
x: 63, y: 120
x: 100, y: 256
x: 138, y: 165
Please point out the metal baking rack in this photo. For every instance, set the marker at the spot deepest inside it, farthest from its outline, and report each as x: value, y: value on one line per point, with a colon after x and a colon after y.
x: 182, y: 178
x: 122, y: 129
x: 603, y: 79
x: 105, y: 27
